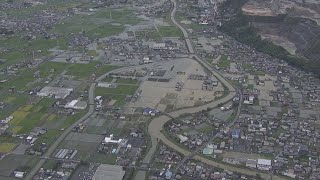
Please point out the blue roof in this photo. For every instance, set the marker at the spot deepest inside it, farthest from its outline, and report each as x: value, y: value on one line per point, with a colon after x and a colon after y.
x: 168, y: 174
x: 146, y: 109
x: 235, y: 132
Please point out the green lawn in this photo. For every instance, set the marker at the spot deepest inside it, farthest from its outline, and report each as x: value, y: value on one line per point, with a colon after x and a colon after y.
x: 117, y: 94
x: 224, y: 62
x: 274, y: 104
x: 82, y: 71
x: 103, y: 158
x: 247, y: 66
x: 207, y: 129
x: 250, y: 86
x: 126, y: 81
x: 50, y: 164
x: 170, y: 31
x: 209, y: 60
x: 6, y: 147
x: 105, y: 68
x: 258, y: 73
x: 278, y: 132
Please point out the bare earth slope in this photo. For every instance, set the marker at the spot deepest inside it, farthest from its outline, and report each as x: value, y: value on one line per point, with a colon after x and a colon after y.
x: 298, y: 32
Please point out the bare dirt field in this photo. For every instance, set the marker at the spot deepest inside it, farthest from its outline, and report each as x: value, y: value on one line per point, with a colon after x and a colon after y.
x: 161, y: 95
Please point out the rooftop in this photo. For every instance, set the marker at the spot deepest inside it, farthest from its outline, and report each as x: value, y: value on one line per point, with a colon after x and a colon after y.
x: 109, y: 172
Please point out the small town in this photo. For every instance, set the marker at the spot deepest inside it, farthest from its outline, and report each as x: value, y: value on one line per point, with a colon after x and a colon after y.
x: 169, y: 89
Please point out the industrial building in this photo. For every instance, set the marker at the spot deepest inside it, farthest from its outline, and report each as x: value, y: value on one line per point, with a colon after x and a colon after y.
x: 57, y: 92
x: 264, y: 164
x: 76, y: 104
x: 109, y: 172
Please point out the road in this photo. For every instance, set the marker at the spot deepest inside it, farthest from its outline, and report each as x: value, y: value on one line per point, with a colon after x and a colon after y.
x: 156, y: 125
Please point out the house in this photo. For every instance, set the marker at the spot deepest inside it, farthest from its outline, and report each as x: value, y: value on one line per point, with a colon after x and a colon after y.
x: 264, y: 164
x: 303, y: 150
x: 222, y: 145
x: 18, y: 174
x: 248, y: 99
x: 168, y: 174
x: 29, y: 139
x: 251, y: 163
x: 150, y: 112
x: 146, y: 60
x: 136, y: 132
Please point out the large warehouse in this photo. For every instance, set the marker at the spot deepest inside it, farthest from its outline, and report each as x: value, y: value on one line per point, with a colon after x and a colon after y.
x: 57, y: 92
x: 109, y: 172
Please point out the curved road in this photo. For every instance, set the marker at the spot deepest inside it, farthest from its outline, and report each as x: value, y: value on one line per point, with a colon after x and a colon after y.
x: 156, y: 125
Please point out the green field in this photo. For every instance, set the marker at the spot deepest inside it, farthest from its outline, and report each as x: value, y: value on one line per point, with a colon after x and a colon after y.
x: 72, y: 119
x: 14, y: 162
x: 49, y: 137
x: 170, y: 31
x: 161, y: 31
x: 250, y: 86
x: 103, y: 22
x: 118, y: 94
x: 80, y: 71
x: 6, y: 147
x: 103, y: 158
x: 24, y: 121
x: 120, y: 90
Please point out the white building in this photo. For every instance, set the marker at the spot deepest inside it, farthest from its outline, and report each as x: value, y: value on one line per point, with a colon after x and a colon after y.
x: 59, y: 93
x: 251, y: 163
x: 159, y: 46
x: 109, y: 172
x: 18, y: 174
x: 264, y: 164
x: 182, y: 138
x: 106, y: 85
x: 249, y: 100
x: 76, y: 104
